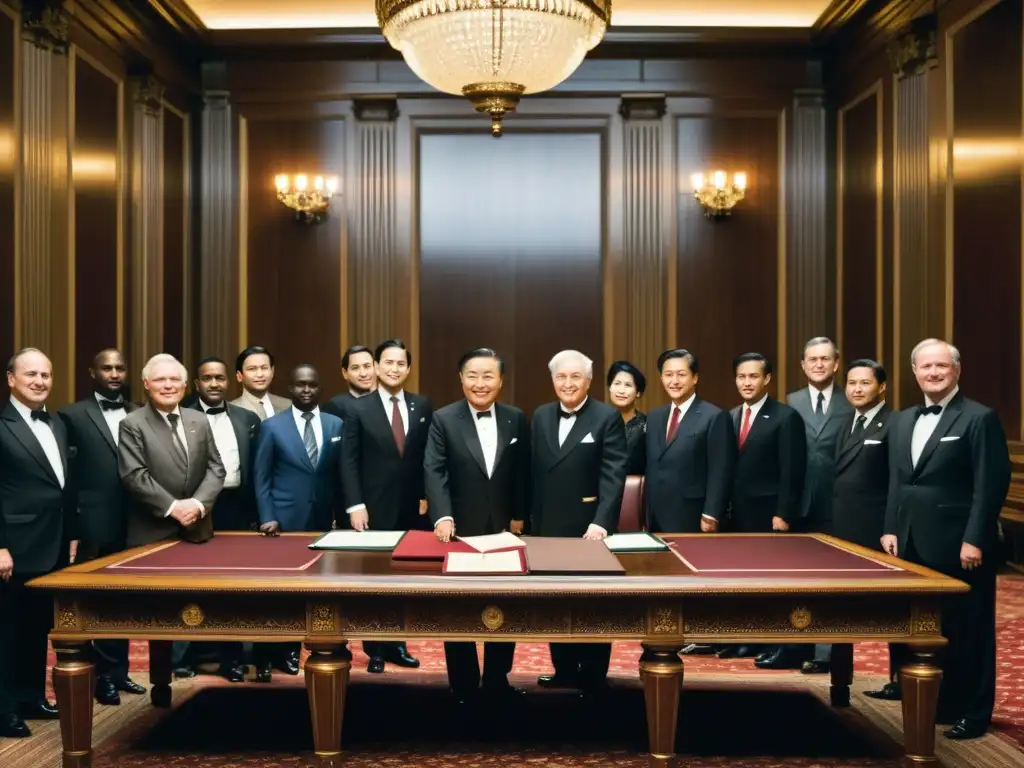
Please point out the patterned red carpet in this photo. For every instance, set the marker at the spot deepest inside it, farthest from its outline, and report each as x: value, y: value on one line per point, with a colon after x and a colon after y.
x: 250, y: 726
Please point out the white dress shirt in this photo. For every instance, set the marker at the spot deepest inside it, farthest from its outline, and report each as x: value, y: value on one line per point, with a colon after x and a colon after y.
x: 565, y: 425
x: 754, y: 410
x: 227, y: 445
x: 403, y: 407
x: 868, y: 415
x: 318, y: 429
x: 682, y: 408
x: 926, y: 424
x: 827, y: 392
x: 113, y: 417
x: 44, y: 434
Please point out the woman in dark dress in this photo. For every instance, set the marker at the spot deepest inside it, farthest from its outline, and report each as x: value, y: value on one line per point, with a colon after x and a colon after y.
x: 626, y: 384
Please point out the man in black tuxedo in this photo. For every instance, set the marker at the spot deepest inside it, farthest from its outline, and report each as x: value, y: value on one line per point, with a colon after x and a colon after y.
x: 578, y: 476
x: 770, y: 467
x: 477, y: 475
x: 948, y: 478
x: 103, y: 503
x: 357, y: 368
x: 235, y: 431
x: 862, y: 475
x: 382, y: 466
x: 38, y: 534
x: 691, y: 453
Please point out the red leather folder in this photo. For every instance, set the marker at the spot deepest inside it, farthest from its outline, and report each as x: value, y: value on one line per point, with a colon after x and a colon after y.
x: 424, y: 545
x: 523, y: 569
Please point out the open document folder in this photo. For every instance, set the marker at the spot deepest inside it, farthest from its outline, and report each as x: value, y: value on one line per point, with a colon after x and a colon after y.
x: 506, y: 562
x: 424, y: 545
x: 381, y: 541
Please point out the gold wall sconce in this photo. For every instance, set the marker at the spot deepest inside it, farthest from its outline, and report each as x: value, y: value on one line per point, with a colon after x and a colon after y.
x: 310, y: 201
x: 716, y: 195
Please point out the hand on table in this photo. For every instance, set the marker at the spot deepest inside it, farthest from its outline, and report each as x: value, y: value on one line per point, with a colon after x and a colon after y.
x: 445, y: 530
x: 889, y: 544
x: 185, y: 512
x: 970, y: 556
x: 6, y: 565
x: 708, y: 525
x: 271, y: 528
x: 516, y: 527
x: 779, y: 525
x: 595, y: 532
x: 360, y: 520
x: 423, y: 506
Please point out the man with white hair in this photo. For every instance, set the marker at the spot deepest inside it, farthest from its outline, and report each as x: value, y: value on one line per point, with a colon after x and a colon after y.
x: 168, y: 461
x: 948, y: 478
x: 579, y: 471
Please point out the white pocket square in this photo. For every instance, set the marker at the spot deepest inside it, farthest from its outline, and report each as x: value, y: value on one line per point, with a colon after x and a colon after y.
x: 588, y: 439
x: 335, y: 439
x: 872, y: 442
x: 513, y: 441
x: 949, y: 438
x: 423, y: 418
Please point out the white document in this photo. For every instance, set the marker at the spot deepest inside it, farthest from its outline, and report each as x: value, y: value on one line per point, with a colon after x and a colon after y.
x: 359, y: 540
x: 493, y: 541
x: 634, y: 542
x: 484, y: 562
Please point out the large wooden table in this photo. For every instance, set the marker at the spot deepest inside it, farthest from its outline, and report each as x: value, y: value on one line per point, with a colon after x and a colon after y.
x: 708, y: 589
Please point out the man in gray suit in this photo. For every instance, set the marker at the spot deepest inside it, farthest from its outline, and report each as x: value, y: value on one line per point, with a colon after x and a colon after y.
x: 168, y: 461
x: 824, y: 408
x: 254, y: 369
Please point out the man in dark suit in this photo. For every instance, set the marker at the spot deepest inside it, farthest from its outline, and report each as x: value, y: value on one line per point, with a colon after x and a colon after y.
x: 235, y: 430
x: 770, y: 467
x: 477, y: 476
x: 93, y: 425
x: 357, y: 368
x: 862, y: 474
x: 382, y: 466
x: 948, y: 478
x: 578, y: 476
x: 691, y: 452
x: 38, y: 534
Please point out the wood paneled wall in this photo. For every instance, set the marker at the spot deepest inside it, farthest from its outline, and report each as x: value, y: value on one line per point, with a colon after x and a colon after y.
x: 9, y: 52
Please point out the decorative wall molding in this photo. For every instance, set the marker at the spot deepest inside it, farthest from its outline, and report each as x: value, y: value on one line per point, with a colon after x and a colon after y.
x: 914, y: 50
x: 46, y: 24
x: 148, y: 93
x: 643, y: 107
x: 383, y: 108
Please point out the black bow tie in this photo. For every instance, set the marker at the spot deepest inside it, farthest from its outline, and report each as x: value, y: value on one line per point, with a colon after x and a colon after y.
x: 41, y: 415
x: 216, y: 410
x: 483, y: 414
x: 111, y: 405
x: 933, y: 409
x: 567, y: 414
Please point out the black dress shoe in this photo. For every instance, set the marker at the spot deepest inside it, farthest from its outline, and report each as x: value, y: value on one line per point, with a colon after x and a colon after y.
x: 557, y: 680
x: 779, y: 659
x: 290, y: 664
x: 765, y: 655
x: 233, y: 673
x: 127, y: 685
x: 888, y: 692
x: 13, y: 727
x: 815, y: 667
x: 376, y: 665
x: 401, y: 658
x: 264, y: 674
x: 39, y: 710
x: 966, y: 729
x: 184, y: 673
x: 106, y: 693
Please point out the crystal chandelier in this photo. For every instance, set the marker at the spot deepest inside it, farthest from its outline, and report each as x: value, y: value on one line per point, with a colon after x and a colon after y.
x: 310, y: 204
x: 493, y: 51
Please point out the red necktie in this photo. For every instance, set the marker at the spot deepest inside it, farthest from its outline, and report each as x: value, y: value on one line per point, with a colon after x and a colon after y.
x: 396, y: 426
x: 745, y: 429
x: 673, y: 426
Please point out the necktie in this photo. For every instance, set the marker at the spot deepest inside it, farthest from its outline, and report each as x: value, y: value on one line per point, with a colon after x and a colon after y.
x: 309, y: 439
x: 858, y: 426
x: 673, y: 426
x: 745, y: 428
x: 483, y: 414
x: 172, y: 419
x: 215, y: 411
x: 111, y: 405
x: 921, y: 411
x: 41, y: 415
x: 397, y: 429
x: 819, y: 409
x: 267, y: 410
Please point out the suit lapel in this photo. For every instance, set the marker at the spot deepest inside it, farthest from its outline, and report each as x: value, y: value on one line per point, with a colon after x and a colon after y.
x: 96, y: 416
x: 411, y: 403
x: 191, y: 428
x: 60, y: 433
x: 242, y: 436
x: 24, y: 435
x: 293, y: 437
x: 472, y: 438
x: 380, y: 420
x: 948, y: 418
x: 835, y: 409
x: 658, y: 421
x: 579, y: 430
x: 853, y: 443
x: 755, y: 419
x: 504, y: 433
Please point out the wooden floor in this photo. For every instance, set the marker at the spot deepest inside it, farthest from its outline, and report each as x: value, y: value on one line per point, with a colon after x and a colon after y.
x: 43, y: 749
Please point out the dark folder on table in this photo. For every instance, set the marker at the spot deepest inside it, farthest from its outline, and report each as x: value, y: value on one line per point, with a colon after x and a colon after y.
x: 561, y: 556
x: 424, y: 545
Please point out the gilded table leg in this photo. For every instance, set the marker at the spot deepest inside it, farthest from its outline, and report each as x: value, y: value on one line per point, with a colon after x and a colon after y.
x: 920, y: 680
x: 327, y: 670
x: 841, y: 670
x: 160, y: 672
x: 74, y: 680
x: 661, y: 669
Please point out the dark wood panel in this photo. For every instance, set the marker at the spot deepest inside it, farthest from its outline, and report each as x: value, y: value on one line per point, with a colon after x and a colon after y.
x: 294, y: 286
x: 7, y: 166
x: 95, y: 162
x: 728, y: 270
x: 986, y: 60
x: 175, y: 211
x: 858, y: 201
x: 514, y: 265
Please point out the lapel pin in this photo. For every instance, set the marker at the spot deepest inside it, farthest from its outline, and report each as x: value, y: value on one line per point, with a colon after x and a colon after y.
x: 878, y: 424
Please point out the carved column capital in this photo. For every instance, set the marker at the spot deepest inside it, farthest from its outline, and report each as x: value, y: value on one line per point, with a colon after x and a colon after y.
x: 809, y: 98
x: 642, y: 106
x: 148, y: 93
x: 46, y: 23
x: 913, y: 51
x: 376, y: 109
x: 216, y: 100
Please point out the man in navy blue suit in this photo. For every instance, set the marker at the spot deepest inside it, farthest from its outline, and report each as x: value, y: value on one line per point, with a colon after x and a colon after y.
x: 295, y: 473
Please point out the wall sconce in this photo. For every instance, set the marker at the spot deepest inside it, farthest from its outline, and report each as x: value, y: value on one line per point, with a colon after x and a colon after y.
x: 716, y: 196
x: 310, y: 204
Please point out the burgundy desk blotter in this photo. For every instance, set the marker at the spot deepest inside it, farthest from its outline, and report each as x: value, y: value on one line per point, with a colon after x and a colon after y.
x: 558, y: 556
